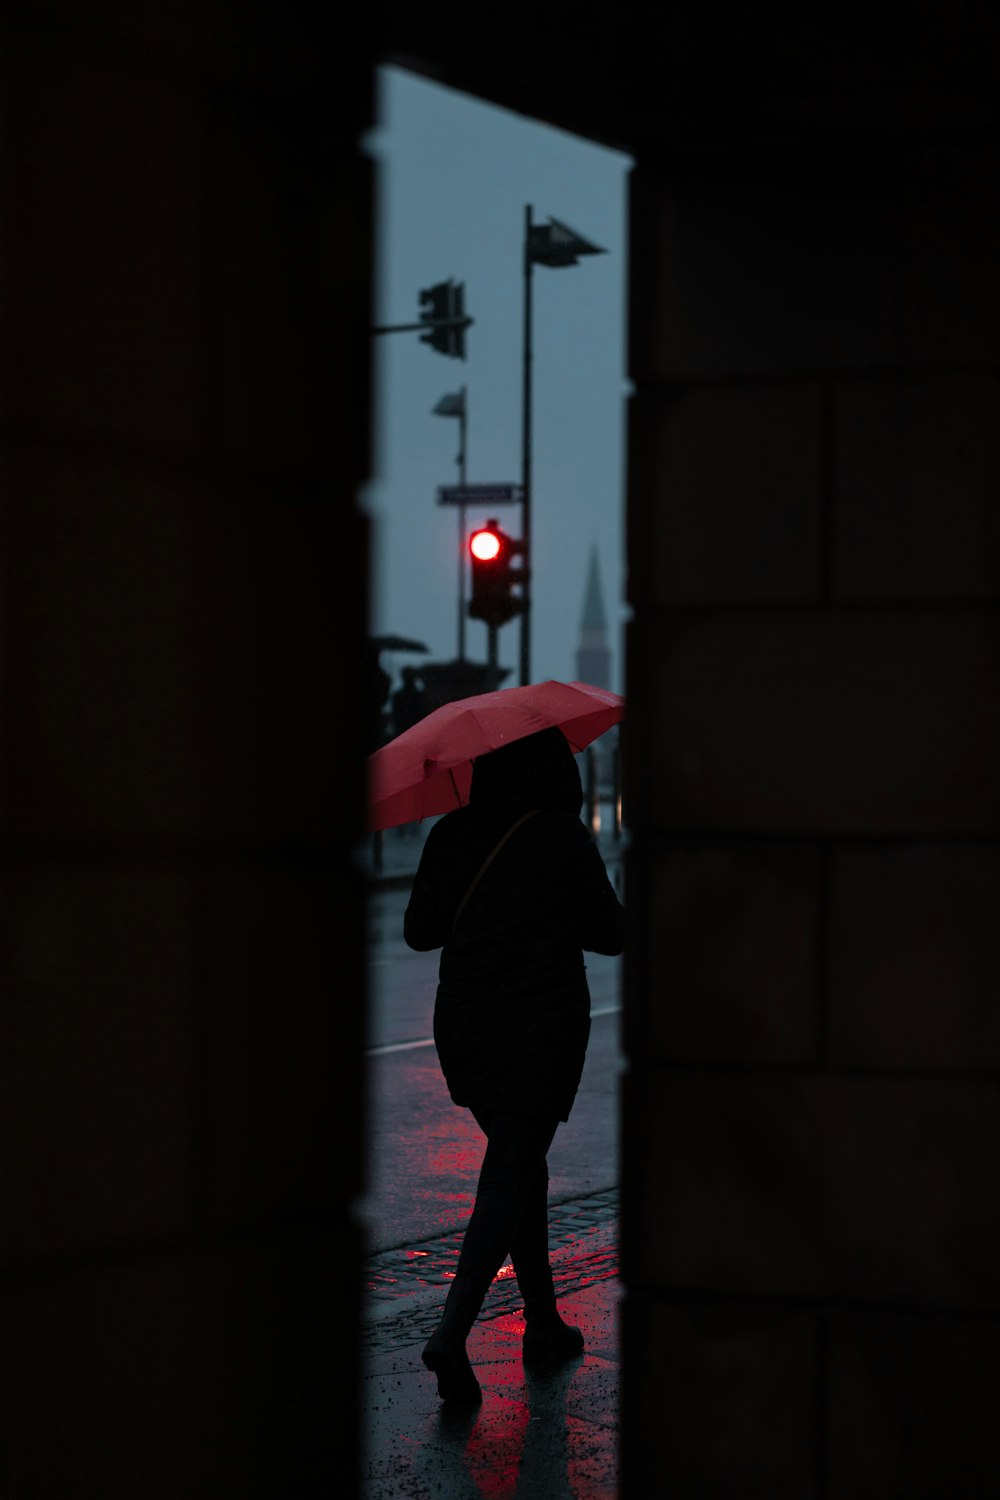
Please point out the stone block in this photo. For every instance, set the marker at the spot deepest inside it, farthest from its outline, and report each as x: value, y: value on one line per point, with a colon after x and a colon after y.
x: 104, y: 337
x: 916, y: 465
x: 912, y: 1407
x: 866, y: 1189
x: 914, y: 1219
x: 726, y: 1183
x: 785, y: 263
x: 292, y: 297
x: 228, y: 1370
x: 288, y: 64
x: 862, y: 722
x: 948, y: 215
x: 718, y: 1401
x: 283, y: 992
x: 183, y: 666
x: 762, y: 266
x: 183, y: 35
x: 278, y: 627
x: 96, y: 1066
x: 914, y: 961
x: 101, y: 568
x: 728, y: 934
x: 726, y: 483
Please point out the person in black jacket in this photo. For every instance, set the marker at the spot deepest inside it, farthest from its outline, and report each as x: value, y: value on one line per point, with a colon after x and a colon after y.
x: 512, y: 888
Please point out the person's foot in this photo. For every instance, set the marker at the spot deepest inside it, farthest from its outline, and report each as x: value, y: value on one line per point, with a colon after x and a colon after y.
x: 457, y: 1385
x: 547, y: 1340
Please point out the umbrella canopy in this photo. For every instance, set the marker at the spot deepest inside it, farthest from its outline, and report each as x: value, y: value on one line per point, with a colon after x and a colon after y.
x: 428, y: 769
x: 396, y: 643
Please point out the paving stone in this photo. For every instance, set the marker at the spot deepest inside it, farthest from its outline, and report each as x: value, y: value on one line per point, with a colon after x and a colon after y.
x: 539, y: 1435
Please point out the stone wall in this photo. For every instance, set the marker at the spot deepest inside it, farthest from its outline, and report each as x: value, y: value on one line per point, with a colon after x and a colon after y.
x: 811, y: 1116
x: 184, y: 423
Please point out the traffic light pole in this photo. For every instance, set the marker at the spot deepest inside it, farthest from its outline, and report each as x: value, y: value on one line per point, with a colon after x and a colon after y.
x: 492, y: 659
x: 455, y: 404
x: 462, y: 560
x: 526, y: 456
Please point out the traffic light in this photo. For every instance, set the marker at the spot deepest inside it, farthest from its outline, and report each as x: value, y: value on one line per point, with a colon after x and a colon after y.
x: 493, y: 578
x: 444, y: 305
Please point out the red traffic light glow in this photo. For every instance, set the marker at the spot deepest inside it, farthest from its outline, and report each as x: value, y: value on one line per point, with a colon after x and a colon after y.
x: 485, y: 545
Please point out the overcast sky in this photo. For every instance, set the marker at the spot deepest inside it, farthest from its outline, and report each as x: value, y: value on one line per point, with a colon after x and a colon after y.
x: 454, y: 177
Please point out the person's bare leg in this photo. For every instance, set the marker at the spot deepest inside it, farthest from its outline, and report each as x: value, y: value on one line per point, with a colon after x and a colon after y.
x: 515, y: 1154
x: 546, y: 1336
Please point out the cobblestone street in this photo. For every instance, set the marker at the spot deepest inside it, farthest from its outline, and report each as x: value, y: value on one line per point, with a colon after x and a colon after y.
x: 406, y: 1286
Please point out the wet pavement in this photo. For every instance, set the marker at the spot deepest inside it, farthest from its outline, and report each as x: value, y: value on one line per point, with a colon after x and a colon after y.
x: 549, y: 1435
x: 406, y: 1286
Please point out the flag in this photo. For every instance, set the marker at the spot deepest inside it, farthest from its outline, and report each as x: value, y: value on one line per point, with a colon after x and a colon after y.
x: 452, y: 405
x: 555, y: 244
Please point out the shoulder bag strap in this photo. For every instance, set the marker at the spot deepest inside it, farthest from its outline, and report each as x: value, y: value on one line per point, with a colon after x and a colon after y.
x: 488, y: 861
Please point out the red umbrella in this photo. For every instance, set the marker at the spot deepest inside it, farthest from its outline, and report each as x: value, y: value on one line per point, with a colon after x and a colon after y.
x: 428, y: 769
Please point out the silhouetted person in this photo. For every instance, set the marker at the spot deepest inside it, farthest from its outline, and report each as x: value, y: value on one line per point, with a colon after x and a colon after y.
x: 513, y: 889
x: 409, y: 702
x: 377, y: 685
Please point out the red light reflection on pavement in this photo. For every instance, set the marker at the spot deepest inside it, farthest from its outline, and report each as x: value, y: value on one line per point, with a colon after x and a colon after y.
x: 524, y: 1440
x: 444, y: 1168
x: 456, y: 1156
x: 449, y: 1144
x: 493, y: 1452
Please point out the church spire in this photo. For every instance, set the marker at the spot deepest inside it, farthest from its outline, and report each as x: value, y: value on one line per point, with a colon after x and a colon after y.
x: 593, y: 618
x: 593, y: 657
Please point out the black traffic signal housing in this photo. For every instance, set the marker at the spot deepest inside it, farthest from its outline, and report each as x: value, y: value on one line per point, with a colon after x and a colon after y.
x: 444, y: 305
x: 493, y: 578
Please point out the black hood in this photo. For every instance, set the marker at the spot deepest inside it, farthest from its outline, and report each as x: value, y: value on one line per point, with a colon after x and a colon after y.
x: 539, y: 771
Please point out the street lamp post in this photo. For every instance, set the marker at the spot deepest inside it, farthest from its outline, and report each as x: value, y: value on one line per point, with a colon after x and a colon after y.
x: 526, y: 452
x: 456, y: 405
x: 552, y: 244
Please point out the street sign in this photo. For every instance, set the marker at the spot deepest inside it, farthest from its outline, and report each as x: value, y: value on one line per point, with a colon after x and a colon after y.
x: 479, y: 494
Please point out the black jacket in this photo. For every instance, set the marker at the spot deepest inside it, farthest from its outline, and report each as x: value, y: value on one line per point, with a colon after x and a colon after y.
x: 512, y: 1015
